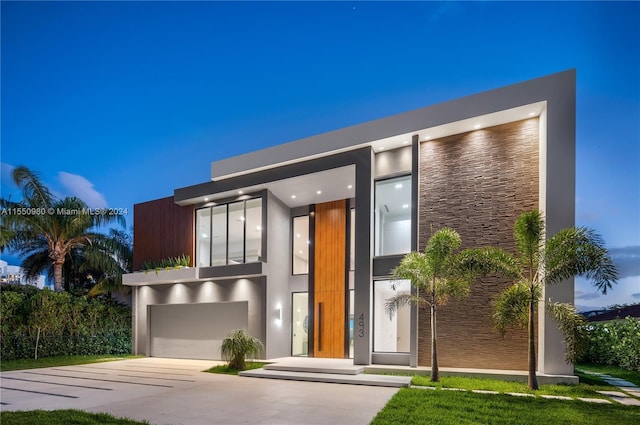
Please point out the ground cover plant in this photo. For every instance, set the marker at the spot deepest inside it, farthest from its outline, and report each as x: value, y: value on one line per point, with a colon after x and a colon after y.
x: 63, y: 417
x: 226, y: 370
x: 21, y: 364
x: 423, y: 407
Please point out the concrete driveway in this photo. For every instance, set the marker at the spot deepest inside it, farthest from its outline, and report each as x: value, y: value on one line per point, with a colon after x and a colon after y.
x: 175, y: 391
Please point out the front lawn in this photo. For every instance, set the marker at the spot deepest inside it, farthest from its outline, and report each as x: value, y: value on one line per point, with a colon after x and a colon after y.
x: 471, y: 383
x: 63, y: 417
x: 20, y: 364
x: 421, y: 407
x: 224, y: 368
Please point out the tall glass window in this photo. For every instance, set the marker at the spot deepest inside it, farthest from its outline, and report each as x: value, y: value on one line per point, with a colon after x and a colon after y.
x: 253, y: 232
x: 352, y: 240
x: 300, y: 248
x: 203, y: 237
x: 393, y: 216
x: 236, y: 233
x: 219, y: 235
x: 300, y: 324
x: 391, y: 334
x: 229, y: 233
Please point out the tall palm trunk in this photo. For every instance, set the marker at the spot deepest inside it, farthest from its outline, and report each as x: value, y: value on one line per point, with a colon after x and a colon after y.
x: 435, y: 374
x: 57, y: 275
x: 533, y: 380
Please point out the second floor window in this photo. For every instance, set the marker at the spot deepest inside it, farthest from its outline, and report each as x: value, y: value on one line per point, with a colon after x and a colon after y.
x: 229, y: 233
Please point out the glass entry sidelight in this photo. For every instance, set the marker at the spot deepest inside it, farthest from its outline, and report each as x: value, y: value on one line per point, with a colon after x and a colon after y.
x: 300, y: 324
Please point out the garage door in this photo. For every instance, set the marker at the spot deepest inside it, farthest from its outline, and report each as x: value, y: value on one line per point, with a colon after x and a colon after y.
x: 193, y: 331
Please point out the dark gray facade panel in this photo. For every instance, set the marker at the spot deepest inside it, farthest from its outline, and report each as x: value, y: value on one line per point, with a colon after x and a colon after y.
x: 382, y: 266
x: 231, y: 271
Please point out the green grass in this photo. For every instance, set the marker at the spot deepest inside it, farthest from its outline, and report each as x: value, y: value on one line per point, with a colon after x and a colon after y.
x: 20, y: 364
x: 62, y: 417
x: 421, y: 407
x: 627, y: 375
x: 470, y: 383
x: 224, y: 369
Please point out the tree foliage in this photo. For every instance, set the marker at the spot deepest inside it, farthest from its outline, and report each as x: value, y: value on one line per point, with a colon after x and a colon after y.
x: 53, y: 235
x: 442, y: 273
x: 570, y: 252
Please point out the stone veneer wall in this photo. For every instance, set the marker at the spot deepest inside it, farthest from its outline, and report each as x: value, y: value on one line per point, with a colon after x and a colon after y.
x: 477, y: 183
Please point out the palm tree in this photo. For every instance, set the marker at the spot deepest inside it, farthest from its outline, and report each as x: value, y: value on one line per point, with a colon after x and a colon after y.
x: 237, y: 345
x: 575, y: 251
x: 41, y: 224
x: 440, y: 273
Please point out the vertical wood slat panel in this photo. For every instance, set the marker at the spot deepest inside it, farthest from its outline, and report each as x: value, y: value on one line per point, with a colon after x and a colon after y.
x: 162, y: 229
x: 329, y: 279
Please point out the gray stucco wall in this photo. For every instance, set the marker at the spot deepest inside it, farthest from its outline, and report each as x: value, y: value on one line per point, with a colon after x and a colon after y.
x: 250, y: 290
x: 278, y: 273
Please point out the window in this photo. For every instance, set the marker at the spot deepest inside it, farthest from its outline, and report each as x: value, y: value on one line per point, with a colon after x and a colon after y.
x: 219, y: 235
x: 300, y: 324
x: 390, y: 333
x: 352, y: 240
x: 203, y: 233
x: 393, y: 216
x: 229, y: 233
x: 300, y: 246
x: 253, y: 236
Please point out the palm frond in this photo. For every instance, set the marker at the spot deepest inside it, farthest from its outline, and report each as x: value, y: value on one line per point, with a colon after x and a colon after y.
x: 36, y: 194
x: 488, y: 260
x: 528, y: 232
x: 393, y: 304
x: 512, y: 307
x: 579, y: 251
x: 573, y: 327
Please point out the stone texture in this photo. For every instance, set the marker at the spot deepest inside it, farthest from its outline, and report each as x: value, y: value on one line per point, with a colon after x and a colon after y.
x: 477, y: 183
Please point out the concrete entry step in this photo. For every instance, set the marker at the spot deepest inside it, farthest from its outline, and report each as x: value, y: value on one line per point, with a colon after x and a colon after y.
x: 316, y: 365
x: 334, y: 378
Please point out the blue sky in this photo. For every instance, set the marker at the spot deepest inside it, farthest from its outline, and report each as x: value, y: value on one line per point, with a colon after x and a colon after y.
x: 122, y: 102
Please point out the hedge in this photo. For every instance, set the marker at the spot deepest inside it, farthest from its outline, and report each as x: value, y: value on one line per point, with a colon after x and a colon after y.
x: 615, y: 343
x: 60, y: 324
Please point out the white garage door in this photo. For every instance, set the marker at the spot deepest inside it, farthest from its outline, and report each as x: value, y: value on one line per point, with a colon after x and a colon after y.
x: 193, y: 331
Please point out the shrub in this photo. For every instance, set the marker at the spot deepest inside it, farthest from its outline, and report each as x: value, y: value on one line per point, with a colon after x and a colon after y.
x: 237, y: 345
x: 615, y: 343
x: 46, y: 323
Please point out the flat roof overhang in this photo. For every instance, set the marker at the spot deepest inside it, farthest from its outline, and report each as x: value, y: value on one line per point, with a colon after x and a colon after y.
x: 493, y: 107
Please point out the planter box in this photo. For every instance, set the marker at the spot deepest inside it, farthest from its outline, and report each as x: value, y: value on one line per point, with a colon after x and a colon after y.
x: 153, y: 277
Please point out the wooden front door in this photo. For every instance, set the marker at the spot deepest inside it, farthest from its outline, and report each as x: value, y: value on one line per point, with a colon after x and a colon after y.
x: 330, y: 288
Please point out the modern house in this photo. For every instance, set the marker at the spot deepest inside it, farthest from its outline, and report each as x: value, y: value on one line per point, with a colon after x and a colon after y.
x: 295, y: 243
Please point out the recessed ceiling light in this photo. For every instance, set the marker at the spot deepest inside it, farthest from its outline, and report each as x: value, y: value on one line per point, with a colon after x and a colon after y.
x: 258, y: 227
x: 350, y: 186
x: 405, y: 205
x: 319, y: 192
x: 427, y: 138
x: 297, y: 235
x: 300, y: 252
x: 240, y: 192
x: 531, y: 114
x: 398, y: 185
x: 406, y: 142
x: 293, y: 196
x: 204, y: 235
x: 206, y: 199
x: 382, y: 148
x: 477, y: 126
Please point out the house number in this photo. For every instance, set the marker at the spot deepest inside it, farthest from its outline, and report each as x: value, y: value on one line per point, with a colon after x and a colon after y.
x: 361, y: 326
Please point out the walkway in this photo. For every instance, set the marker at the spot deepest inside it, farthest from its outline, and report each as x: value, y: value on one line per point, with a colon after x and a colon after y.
x: 629, y: 393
